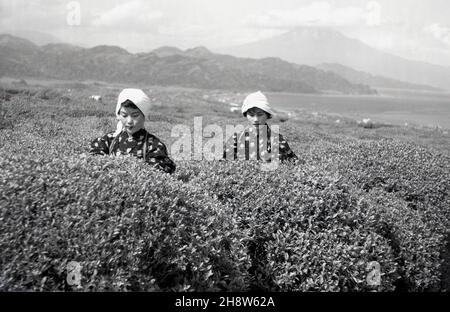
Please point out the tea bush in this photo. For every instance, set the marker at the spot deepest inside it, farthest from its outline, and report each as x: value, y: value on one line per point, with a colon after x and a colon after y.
x: 303, y: 225
x: 131, y: 228
x: 214, y: 225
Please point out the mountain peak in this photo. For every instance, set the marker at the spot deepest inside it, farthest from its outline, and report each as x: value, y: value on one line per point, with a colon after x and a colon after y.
x: 196, y: 67
x: 60, y: 47
x: 198, y: 52
x: 11, y: 41
x: 36, y: 37
x: 316, y: 45
x: 109, y: 50
x: 167, y: 51
x: 315, y: 32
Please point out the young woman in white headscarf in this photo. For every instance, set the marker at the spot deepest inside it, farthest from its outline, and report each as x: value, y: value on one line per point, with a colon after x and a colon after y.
x: 255, y: 142
x: 130, y: 137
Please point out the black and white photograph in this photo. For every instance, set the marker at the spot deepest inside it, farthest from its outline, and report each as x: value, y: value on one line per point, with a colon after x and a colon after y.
x: 248, y: 147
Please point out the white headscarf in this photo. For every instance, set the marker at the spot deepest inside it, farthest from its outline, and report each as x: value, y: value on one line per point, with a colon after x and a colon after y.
x: 259, y: 100
x: 138, y: 97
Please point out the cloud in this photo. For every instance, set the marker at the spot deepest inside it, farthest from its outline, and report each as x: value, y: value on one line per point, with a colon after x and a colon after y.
x: 130, y: 15
x: 186, y: 30
x: 441, y: 33
x: 320, y: 14
x: 32, y: 15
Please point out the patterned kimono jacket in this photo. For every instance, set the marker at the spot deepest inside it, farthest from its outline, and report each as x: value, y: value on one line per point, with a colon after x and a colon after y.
x: 254, y: 143
x: 141, y: 144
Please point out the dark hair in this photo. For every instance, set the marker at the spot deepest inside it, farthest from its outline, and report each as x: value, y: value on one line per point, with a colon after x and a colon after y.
x: 268, y: 115
x: 129, y: 104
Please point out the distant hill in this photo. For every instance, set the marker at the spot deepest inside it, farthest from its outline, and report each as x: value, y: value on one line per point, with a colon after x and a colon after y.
x: 356, y: 76
x: 197, y: 67
x: 60, y: 48
x: 167, y: 51
x: 317, y: 45
x: 36, y: 37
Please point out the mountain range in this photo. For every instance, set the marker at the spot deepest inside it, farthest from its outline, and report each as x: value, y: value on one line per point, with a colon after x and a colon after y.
x: 196, y: 67
x: 317, y: 45
x: 376, y: 81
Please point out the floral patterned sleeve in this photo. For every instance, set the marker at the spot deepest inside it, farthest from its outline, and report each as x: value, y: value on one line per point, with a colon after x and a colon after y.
x: 100, y: 146
x: 157, y: 155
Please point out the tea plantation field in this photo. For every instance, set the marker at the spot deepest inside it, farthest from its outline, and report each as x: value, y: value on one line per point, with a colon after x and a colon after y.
x: 364, y: 210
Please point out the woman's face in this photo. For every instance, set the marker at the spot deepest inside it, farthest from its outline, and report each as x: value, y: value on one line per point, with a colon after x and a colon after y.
x: 132, y: 119
x: 257, y: 116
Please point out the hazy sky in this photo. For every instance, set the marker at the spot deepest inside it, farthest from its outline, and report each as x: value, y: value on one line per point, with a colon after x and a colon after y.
x: 416, y: 29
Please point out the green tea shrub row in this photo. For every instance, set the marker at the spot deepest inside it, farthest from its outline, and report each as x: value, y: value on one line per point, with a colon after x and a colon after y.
x: 130, y: 228
x: 213, y: 225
